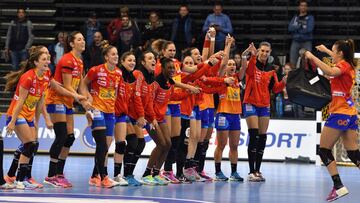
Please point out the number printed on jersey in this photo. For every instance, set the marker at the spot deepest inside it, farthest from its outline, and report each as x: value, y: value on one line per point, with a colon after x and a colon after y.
x: 31, y: 102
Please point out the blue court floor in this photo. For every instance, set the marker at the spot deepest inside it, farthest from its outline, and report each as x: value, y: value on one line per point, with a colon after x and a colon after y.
x: 285, y: 183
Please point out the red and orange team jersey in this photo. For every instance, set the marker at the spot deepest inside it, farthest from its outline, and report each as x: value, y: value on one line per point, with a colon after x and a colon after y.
x: 229, y: 100
x: 208, y: 99
x: 36, y: 87
x: 341, y: 86
x: 257, y: 84
x: 146, y: 109
x: 104, y: 84
x: 176, y: 78
x: 71, y: 65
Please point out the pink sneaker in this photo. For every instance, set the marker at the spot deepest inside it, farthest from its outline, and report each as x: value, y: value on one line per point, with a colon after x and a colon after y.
x: 337, y: 193
x: 205, y: 176
x: 169, y: 176
x: 53, y: 181
x: 63, y: 181
x: 189, y: 173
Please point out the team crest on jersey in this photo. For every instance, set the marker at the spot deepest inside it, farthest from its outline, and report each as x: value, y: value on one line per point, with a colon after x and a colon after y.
x: 32, y: 90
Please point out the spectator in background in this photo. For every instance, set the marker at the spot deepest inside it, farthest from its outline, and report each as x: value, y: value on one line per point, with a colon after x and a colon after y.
x: 183, y: 30
x: 154, y: 28
x: 93, y: 54
x: 222, y: 24
x: 91, y: 26
x: 19, y: 38
x: 114, y: 26
x: 129, y: 36
x: 301, y: 27
x: 56, y: 50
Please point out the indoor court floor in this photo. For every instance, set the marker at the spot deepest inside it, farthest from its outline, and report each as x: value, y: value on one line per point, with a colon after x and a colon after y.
x: 285, y: 183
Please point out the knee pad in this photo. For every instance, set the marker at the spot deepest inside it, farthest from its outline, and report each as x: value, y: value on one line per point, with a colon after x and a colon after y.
x: 261, y: 143
x: 120, y: 147
x: 36, y: 147
x: 354, y: 156
x: 29, y: 149
x: 131, y: 143
x: 140, y: 147
x: 206, y: 145
x: 69, y: 140
x: 253, y: 134
x: 60, y: 137
x: 326, y: 156
x: 100, y: 139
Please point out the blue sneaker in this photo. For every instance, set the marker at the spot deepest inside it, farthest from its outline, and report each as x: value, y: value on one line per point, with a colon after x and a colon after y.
x: 132, y: 181
x: 160, y: 180
x: 220, y: 177
x: 236, y: 177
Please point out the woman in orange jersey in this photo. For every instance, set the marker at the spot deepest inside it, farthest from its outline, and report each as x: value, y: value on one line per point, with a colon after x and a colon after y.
x: 104, y: 80
x: 33, y: 79
x: 261, y: 78
x: 128, y: 95
x: 68, y: 72
x: 144, y: 90
x: 227, y: 124
x: 163, y: 92
x: 343, y: 120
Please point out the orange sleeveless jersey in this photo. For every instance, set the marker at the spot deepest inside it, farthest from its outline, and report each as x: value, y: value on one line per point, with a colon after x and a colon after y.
x: 257, y: 85
x: 229, y: 100
x: 177, y: 76
x: 104, y: 84
x: 341, y: 87
x: 36, y: 87
x: 71, y: 65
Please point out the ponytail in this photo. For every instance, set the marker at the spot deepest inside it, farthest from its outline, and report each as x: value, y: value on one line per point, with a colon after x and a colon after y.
x: 348, y: 49
x: 68, y: 39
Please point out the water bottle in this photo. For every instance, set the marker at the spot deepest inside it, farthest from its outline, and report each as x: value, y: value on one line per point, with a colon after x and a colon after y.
x: 279, y: 106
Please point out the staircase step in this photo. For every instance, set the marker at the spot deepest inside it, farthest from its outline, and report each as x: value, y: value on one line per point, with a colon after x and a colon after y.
x: 28, y: 1
x: 37, y: 40
x: 6, y: 94
x: 37, y: 26
x: 30, y: 12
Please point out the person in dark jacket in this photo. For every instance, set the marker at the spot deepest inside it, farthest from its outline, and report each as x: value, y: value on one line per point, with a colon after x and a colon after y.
x: 19, y: 38
x: 129, y: 36
x: 154, y: 28
x: 93, y: 54
x: 301, y: 27
x: 183, y: 30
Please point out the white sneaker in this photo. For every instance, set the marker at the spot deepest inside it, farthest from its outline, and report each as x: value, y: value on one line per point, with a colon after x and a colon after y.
x: 197, y: 176
x: 25, y: 185
x: 121, y: 181
x: 253, y: 178
x: 7, y: 186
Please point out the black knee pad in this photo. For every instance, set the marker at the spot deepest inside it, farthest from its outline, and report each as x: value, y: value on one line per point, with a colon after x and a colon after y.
x: 120, y: 147
x: 29, y: 149
x: 354, y: 156
x: 60, y: 137
x: 36, y: 147
x: 206, y: 145
x: 326, y: 156
x: 69, y: 140
x: 140, y: 147
x: 261, y: 143
x: 100, y: 139
x: 253, y: 135
x: 131, y: 143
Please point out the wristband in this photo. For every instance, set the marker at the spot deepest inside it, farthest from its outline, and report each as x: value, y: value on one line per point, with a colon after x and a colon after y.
x: 243, y: 57
x: 212, y: 39
x: 206, y: 44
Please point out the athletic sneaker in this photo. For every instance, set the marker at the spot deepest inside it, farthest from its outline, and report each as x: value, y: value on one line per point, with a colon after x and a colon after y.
x: 65, y: 183
x: 205, y: 176
x: 34, y: 182
x: 121, y: 180
x: 107, y: 182
x: 53, y: 181
x: 253, y: 178
x: 132, y: 181
x: 169, y: 176
x: 184, y: 180
x: 10, y: 180
x: 7, y: 186
x: 198, y: 177
x: 337, y: 193
x: 148, y: 180
x: 95, y: 181
x: 260, y: 176
x: 236, y: 177
x: 189, y: 173
x: 220, y: 176
x: 25, y: 185
x: 160, y: 180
